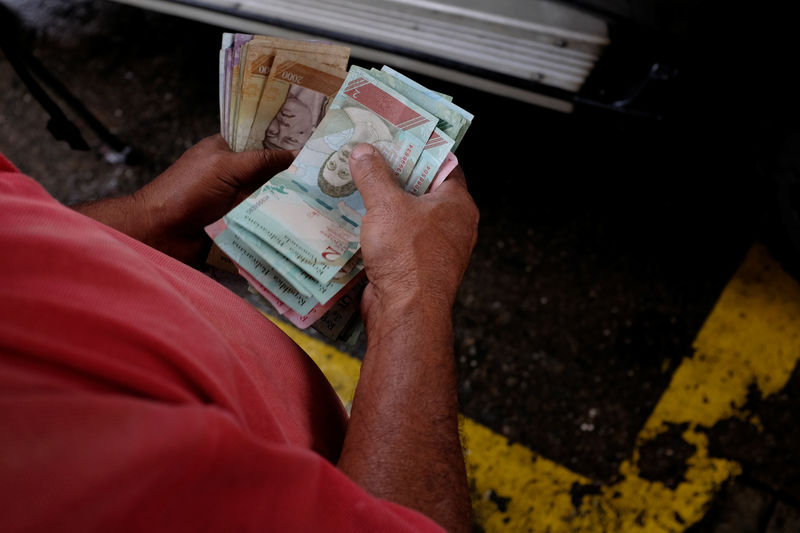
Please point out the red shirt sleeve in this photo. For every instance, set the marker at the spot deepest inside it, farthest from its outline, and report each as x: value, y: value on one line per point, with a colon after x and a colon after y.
x: 136, y: 393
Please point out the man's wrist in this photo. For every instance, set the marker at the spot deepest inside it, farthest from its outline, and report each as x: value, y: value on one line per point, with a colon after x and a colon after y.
x: 151, y: 212
x: 397, y: 315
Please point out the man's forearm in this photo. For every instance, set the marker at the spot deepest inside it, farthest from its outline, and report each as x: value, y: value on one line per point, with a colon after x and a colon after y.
x: 120, y: 213
x: 402, y: 442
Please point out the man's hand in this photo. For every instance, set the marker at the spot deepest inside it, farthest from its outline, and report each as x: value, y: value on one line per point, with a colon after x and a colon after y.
x: 413, y: 247
x: 402, y: 441
x: 170, y: 212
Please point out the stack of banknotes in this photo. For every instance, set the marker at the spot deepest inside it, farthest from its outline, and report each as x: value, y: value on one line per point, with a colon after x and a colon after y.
x: 296, y: 238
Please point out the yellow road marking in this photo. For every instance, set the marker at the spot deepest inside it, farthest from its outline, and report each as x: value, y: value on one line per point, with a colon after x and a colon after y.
x: 752, y: 336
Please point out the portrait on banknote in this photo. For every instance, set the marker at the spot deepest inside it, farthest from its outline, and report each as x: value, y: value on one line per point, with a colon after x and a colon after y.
x: 296, y: 119
x: 295, y: 95
x: 327, y: 155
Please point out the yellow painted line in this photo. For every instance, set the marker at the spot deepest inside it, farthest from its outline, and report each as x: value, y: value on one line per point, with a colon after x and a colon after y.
x: 752, y: 336
x: 538, y: 489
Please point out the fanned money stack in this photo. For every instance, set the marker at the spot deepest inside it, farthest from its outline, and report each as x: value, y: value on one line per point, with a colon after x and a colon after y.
x: 296, y: 239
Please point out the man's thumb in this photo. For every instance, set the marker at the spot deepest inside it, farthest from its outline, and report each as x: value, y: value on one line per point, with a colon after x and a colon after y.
x: 372, y: 176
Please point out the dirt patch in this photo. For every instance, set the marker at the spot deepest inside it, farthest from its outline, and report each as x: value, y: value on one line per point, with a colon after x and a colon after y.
x: 664, y: 457
x: 765, y: 441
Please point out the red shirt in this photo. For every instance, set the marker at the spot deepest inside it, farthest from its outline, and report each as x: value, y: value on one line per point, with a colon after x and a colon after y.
x: 138, y: 394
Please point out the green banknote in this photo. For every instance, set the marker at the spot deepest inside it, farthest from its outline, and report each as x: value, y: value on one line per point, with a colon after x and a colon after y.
x: 450, y: 122
x: 301, y: 281
x: 453, y: 120
x: 440, y: 142
x: 242, y: 254
x: 436, y: 150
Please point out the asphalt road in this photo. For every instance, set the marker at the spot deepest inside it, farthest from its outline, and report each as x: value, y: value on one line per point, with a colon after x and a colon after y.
x: 604, y: 241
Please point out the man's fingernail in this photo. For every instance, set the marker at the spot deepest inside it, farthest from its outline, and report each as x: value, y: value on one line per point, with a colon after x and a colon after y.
x: 295, y: 152
x: 362, y: 151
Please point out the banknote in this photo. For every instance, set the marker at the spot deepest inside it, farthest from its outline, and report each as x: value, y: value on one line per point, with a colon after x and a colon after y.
x: 338, y: 320
x: 436, y: 151
x: 440, y: 143
x: 232, y: 58
x: 224, y: 52
x: 354, y: 330
x: 235, y: 69
x: 240, y: 40
x: 344, y: 315
x: 283, y: 266
x: 450, y: 122
x: 237, y: 84
x: 226, y: 56
x: 415, y: 85
x: 335, y: 312
x: 214, y: 230
x: 243, y: 255
x: 255, y: 287
x: 311, y: 212
x: 453, y: 120
x: 349, y: 290
x: 294, y: 99
x: 450, y: 162
x: 301, y: 281
x: 256, y: 65
x: 313, y: 243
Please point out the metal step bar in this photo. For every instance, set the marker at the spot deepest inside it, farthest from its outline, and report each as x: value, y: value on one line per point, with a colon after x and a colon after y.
x: 535, y: 51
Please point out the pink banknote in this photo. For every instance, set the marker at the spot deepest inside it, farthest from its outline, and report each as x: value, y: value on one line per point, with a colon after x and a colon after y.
x: 450, y: 162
